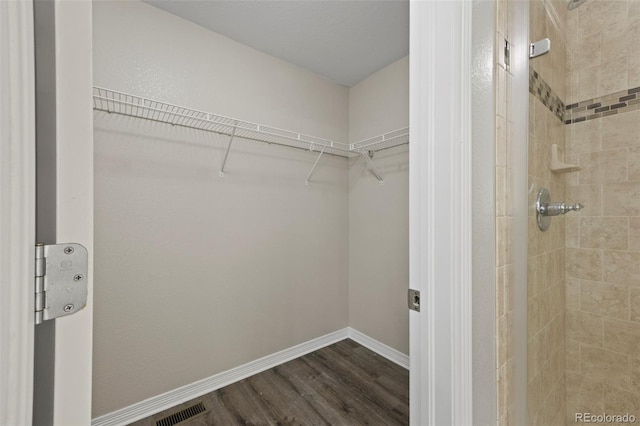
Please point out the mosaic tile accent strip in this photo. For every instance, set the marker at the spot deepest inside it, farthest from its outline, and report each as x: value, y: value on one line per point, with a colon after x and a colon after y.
x: 541, y: 90
x: 603, y: 106
x: 614, y: 103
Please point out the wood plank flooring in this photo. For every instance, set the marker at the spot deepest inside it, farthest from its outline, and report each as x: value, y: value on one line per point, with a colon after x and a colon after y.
x: 341, y: 384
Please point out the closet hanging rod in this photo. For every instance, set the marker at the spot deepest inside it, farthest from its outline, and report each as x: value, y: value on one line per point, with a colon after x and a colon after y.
x: 112, y: 101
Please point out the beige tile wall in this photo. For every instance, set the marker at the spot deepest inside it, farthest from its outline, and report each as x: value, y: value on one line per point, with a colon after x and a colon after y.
x: 603, y: 55
x: 504, y: 220
x: 603, y: 246
x: 546, y: 250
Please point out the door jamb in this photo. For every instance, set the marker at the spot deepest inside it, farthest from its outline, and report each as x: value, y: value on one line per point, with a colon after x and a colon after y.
x: 17, y: 211
x: 440, y: 212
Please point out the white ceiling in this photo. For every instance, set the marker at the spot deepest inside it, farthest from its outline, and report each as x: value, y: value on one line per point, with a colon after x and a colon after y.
x: 342, y: 40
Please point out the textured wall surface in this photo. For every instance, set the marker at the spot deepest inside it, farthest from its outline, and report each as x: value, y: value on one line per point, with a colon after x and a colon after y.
x: 196, y: 274
x: 379, y: 214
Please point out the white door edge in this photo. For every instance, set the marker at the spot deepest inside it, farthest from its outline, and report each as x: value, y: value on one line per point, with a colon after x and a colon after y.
x: 74, y: 211
x: 17, y: 211
x: 440, y: 213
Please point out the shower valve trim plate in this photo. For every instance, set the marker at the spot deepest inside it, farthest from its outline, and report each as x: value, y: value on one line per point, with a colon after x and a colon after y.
x: 545, y: 209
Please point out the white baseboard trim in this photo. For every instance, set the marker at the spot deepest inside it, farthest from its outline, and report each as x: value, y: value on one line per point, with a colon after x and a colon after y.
x: 378, y: 347
x: 185, y: 393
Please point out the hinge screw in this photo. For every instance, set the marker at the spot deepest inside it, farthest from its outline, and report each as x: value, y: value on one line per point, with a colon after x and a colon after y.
x: 77, y: 277
x: 68, y: 308
x: 68, y: 250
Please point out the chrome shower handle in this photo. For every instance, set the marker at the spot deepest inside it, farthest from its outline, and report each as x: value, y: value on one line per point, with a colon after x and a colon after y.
x: 574, y: 208
x: 556, y: 209
x: 545, y: 209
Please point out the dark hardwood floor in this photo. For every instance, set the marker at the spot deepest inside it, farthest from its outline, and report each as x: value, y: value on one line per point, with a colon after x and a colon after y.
x: 341, y: 384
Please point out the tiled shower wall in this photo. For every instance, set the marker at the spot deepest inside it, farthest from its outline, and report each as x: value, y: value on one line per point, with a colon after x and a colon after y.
x: 504, y: 224
x: 546, y: 250
x: 603, y: 240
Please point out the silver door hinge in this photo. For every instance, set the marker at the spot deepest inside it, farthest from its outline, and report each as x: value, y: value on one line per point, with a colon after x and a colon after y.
x: 413, y: 299
x: 503, y: 53
x: 507, y: 54
x: 61, y: 280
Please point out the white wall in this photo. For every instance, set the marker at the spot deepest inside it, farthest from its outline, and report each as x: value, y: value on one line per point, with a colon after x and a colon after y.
x: 196, y: 274
x: 146, y: 51
x: 379, y: 214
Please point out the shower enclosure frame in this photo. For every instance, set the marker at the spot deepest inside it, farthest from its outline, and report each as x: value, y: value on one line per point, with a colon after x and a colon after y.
x: 518, y: 109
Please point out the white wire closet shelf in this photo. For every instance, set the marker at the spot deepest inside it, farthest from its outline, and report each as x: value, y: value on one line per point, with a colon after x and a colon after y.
x: 380, y: 143
x: 116, y: 102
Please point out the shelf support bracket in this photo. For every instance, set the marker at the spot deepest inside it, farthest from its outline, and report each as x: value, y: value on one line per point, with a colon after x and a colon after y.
x: 306, y: 181
x: 372, y: 166
x: 226, y: 154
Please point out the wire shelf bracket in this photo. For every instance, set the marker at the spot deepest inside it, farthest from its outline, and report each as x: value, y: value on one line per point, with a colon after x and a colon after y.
x: 112, y: 101
x: 372, y: 166
x: 226, y: 154
x: 306, y: 181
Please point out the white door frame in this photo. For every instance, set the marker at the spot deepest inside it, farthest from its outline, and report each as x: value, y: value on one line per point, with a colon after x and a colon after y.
x: 17, y: 211
x: 74, y: 158
x: 440, y: 212
x: 440, y: 216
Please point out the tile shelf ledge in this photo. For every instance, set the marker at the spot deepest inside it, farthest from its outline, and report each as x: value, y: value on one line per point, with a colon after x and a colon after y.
x: 559, y: 166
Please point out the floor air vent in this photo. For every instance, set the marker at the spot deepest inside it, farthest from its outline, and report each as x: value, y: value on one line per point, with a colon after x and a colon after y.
x: 182, y: 415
